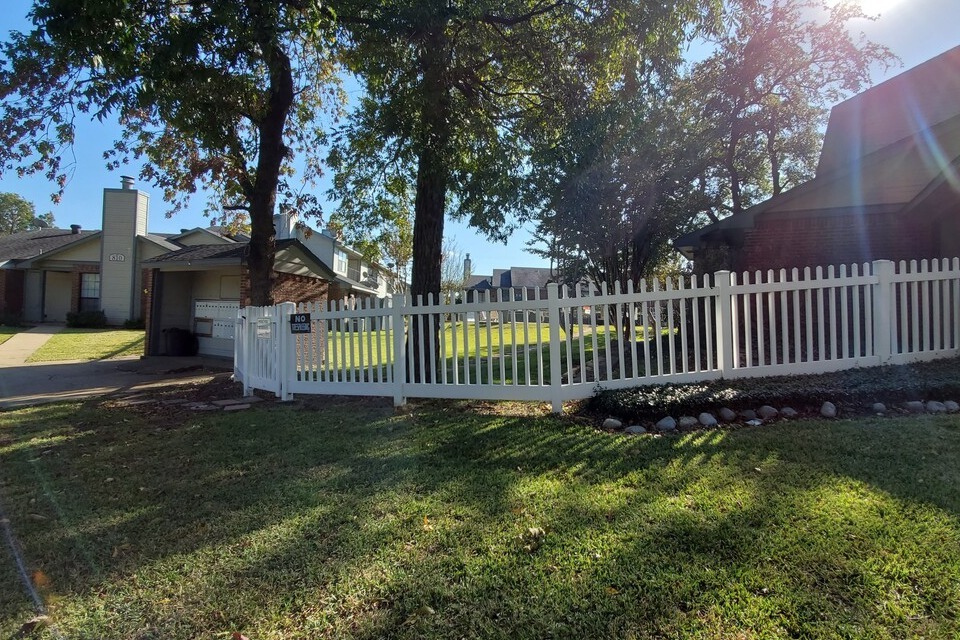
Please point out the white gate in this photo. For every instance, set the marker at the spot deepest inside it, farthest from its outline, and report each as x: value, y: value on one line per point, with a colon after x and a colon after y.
x: 259, y: 356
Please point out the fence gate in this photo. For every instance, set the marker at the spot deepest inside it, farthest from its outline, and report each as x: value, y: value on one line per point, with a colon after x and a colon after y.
x: 258, y: 348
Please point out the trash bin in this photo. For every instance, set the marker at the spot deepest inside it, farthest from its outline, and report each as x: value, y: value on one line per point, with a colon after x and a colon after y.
x: 181, y: 342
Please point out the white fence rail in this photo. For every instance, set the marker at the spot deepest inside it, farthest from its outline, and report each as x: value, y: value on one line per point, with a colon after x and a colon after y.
x: 561, y: 345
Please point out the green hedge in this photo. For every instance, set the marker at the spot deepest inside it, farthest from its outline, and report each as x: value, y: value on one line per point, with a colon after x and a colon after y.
x: 853, y: 390
x: 87, y: 319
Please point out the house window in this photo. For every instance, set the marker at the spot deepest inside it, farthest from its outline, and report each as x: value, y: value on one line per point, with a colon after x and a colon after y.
x: 340, y: 261
x: 89, y: 292
x: 373, y: 276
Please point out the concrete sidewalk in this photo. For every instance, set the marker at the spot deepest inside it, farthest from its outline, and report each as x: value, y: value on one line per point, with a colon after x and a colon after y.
x: 21, y: 346
x: 39, y: 383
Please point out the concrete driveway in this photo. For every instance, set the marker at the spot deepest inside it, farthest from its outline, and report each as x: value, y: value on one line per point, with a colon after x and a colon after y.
x: 30, y: 384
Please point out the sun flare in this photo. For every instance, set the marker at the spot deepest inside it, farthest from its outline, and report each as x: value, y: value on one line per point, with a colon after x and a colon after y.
x: 874, y: 7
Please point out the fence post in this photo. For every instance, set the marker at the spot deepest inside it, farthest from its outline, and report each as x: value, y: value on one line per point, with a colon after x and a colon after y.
x: 553, y: 320
x: 722, y: 281
x: 240, y: 350
x: 399, y: 350
x: 884, y: 310
x: 286, y: 347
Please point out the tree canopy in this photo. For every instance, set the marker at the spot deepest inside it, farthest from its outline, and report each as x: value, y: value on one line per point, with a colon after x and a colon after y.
x: 657, y: 158
x: 221, y: 95
x: 16, y: 214
x: 457, y: 95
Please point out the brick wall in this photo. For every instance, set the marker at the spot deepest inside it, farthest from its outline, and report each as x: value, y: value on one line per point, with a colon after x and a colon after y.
x: 800, y: 240
x: 292, y: 288
x: 288, y: 287
x: 11, y: 292
x: 147, y: 279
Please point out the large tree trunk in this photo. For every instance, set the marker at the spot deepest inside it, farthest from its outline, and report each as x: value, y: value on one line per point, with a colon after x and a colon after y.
x: 262, y: 194
x: 429, y: 206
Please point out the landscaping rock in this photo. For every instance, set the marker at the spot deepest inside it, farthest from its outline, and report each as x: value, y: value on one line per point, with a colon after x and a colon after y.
x: 878, y: 407
x: 766, y: 412
x: 952, y: 407
x: 748, y: 414
x: 612, y: 423
x: 756, y: 422
x: 667, y: 424
x: 914, y: 406
x: 688, y: 421
x: 707, y: 419
x: 201, y: 406
x: 936, y: 407
x: 789, y: 412
x: 728, y: 415
x: 635, y: 429
x: 828, y: 410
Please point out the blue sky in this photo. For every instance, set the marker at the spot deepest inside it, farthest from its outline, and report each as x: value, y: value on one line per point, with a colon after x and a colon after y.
x: 915, y: 30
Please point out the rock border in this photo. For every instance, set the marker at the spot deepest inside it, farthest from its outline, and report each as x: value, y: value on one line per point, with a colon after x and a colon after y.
x: 768, y: 415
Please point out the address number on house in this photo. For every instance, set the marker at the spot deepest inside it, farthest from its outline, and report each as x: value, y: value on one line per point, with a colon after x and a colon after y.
x: 300, y: 323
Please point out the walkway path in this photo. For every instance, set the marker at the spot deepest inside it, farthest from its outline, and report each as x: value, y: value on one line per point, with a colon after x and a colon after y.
x: 21, y: 346
x: 23, y: 384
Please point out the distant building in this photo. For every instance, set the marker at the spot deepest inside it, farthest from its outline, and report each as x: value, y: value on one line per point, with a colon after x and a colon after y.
x: 513, y: 282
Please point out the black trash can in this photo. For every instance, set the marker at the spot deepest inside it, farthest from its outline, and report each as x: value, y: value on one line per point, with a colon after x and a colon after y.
x: 181, y: 342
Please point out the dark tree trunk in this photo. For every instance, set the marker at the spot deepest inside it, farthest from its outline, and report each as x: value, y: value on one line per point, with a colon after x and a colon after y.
x: 262, y: 193
x: 429, y: 206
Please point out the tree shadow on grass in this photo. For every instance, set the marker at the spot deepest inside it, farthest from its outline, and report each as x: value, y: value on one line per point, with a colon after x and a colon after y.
x: 355, y: 522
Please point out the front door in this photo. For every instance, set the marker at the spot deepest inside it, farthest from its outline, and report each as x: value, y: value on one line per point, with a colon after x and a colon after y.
x: 57, y: 292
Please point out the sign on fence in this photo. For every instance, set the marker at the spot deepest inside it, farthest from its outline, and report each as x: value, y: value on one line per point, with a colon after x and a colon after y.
x: 300, y: 323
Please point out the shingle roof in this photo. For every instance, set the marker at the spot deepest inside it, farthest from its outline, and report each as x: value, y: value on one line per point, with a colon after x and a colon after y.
x: 30, y: 244
x: 203, y: 252
x: 529, y: 277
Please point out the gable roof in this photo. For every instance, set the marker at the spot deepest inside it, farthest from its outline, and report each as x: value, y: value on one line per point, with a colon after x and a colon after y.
x: 33, y: 244
x: 884, y: 149
x: 900, y: 107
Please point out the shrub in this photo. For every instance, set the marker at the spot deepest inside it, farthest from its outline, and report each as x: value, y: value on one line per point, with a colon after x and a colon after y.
x: 87, y: 319
x: 10, y: 319
x: 854, y: 388
x: 134, y: 324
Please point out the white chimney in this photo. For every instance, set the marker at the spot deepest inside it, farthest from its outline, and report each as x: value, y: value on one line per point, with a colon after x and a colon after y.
x: 285, y: 225
x: 125, y: 213
x: 467, y: 267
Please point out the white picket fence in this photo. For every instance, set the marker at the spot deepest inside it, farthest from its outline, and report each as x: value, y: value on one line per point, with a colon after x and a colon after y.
x: 562, y: 345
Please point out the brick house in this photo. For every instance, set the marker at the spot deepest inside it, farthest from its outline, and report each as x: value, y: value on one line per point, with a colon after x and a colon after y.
x: 192, y: 282
x: 887, y: 186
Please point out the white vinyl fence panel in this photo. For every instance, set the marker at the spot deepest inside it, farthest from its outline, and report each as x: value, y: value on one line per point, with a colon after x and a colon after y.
x: 560, y: 344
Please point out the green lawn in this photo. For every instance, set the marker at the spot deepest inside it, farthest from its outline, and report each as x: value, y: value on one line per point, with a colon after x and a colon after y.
x: 7, y: 332
x: 90, y: 344
x: 346, y: 520
x: 518, y: 343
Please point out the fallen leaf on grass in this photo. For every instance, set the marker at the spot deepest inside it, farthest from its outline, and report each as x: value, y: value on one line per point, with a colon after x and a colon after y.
x: 418, y: 614
x: 40, y: 580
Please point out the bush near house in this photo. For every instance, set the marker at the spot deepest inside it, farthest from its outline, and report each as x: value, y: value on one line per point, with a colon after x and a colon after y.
x: 852, y: 390
x: 87, y: 319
